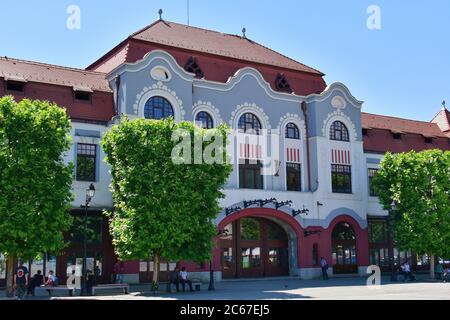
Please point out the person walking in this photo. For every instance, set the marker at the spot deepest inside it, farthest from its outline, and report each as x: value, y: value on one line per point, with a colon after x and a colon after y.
x: 118, y: 271
x: 21, y: 280
x: 439, y: 271
x: 324, y: 266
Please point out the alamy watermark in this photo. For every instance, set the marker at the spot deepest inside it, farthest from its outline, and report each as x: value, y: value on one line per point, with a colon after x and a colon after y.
x: 73, y: 21
x: 374, y: 280
x: 374, y: 19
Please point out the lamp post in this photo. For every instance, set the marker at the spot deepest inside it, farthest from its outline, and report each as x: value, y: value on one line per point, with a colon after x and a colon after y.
x: 90, y: 192
x: 391, y: 242
x: 211, y: 272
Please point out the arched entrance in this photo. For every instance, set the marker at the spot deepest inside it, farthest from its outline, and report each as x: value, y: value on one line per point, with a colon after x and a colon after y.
x: 254, y: 247
x: 344, y: 249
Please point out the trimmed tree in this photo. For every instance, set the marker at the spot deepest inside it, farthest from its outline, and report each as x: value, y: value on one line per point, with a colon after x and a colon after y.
x: 419, y: 185
x: 35, y: 182
x: 165, y: 191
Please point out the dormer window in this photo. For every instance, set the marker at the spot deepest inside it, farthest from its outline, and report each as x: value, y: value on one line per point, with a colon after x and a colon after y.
x: 193, y: 66
x: 428, y: 140
x: 397, y: 136
x: 83, y: 94
x: 15, y: 84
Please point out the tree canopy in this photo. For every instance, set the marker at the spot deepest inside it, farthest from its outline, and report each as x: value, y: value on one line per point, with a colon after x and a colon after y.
x: 164, y: 205
x: 419, y: 186
x: 35, y: 182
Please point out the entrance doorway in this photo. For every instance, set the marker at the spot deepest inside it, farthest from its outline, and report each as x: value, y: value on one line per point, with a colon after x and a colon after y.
x: 344, y: 249
x: 254, y: 247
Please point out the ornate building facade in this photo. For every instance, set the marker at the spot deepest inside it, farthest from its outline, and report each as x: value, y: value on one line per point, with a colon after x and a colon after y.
x: 317, y: 201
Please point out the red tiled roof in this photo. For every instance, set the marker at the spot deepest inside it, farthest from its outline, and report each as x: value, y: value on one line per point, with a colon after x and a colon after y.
x: 15, y: 69
x: 427, y: 129
x: 213, y: 42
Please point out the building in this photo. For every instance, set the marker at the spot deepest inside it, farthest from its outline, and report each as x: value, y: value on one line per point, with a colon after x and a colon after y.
x: 328, y: 150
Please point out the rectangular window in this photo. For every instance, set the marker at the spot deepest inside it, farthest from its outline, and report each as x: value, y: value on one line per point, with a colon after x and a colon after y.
x: 341, y: 177
x: 293, y: 177
x: 315, y: 254
x: 250, y: 176
x: 82, y: 96
x: 86, y: 162
x: 378, y: 232
x: 15, y: 86
x: 371, y: 173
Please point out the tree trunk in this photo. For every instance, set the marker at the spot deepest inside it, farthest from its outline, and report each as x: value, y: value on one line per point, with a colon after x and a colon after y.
x: 10, y: 276
x: 432, y: 275
x: 155, y: 281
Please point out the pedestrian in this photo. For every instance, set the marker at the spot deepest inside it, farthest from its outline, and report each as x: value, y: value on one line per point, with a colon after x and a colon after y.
x: 52, y: 281
x: 175, y: 278
x: 21, y: 280
x: 406, y: 271
x: 184, y: 279
x: 90, y: 283
x: 324, y: 266
x: 439, y: 271
x: 36, y: 281
x: 118, y: 271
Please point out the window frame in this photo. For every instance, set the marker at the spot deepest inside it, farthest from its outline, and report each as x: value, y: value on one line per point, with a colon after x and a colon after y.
x: 292, y: 127
x: 371, y: 172
x: 249, y: 118
x: 255, y: 169
x: 86, y: 178
x: 341, y: 170
x: 160, y: 103
x: 206, y: 116
x: 299, y: 176
x: 339, y: 127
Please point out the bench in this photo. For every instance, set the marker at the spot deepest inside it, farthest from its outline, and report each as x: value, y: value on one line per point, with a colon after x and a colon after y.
x: 196, y: 285
x: 125, y: 287
x: 50, y: 290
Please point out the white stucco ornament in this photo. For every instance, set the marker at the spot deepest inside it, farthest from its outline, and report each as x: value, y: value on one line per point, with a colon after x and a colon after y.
x: 160, y: 73
x: 338, y: 102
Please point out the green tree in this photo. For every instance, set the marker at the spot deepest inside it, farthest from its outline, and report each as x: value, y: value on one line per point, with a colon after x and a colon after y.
x: 35, y: 182
x: 164, y: 205
x: 419, y: 186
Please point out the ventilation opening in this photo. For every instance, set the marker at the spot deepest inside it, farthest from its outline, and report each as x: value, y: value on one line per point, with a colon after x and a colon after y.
x: 15, y: 86
x: 428, y: 140
x: 82, y: 96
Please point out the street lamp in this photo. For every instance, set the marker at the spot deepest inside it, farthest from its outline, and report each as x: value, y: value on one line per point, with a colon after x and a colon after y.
x: 211, y: 287
x: 90, y: 192
x: 391, y: 241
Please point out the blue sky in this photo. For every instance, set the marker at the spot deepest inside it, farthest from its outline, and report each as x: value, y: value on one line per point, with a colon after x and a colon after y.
x: 401, y: 70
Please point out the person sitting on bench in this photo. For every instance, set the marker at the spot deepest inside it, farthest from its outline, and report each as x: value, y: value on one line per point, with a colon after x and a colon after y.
x: 406, y: 272
x: 175, y: 278
x: 184, y: 279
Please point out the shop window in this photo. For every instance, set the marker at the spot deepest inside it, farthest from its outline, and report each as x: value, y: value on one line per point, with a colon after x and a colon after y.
x: 250, y: 258
x: 250, y: 229
x: 227, y: 258
x: 275, y: 232
x: 93, y: 232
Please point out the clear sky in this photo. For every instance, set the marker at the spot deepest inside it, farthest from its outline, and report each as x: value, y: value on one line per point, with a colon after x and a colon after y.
x: 403, y: 69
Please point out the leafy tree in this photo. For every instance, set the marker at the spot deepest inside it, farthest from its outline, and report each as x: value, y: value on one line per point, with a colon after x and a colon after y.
x: 163, y: 208
x: 419, y: 186
x: 35, y: 182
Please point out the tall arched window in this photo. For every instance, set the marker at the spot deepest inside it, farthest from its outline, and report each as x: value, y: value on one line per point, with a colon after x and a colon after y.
x: 292, y: 131
x: 249, y: 123
x: 204, y: 120
x: 339, y: 132
x: 158, y: 108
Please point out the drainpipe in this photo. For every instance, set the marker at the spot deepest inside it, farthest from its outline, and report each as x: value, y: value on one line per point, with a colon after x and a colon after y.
x: 305, y: 115
x: 117, y: 94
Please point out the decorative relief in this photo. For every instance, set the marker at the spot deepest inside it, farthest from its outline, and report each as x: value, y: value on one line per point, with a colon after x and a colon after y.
x: 158, y: 86
x: 338, y: 102
x: 251, y: 107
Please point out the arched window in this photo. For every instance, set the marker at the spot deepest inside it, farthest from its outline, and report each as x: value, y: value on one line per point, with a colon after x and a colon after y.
x: 158, y: 108
x: 292, y: 131
x: 249, y: 123
x: 204, y: 120
x: 339, y: 132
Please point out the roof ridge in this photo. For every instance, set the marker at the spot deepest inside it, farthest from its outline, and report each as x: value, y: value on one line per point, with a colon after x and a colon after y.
x: 398, y: 118
x: 44, y: 64
x: 230, y: 35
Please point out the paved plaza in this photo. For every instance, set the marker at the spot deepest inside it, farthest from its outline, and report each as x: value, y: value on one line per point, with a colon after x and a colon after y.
x: 292, y: 289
